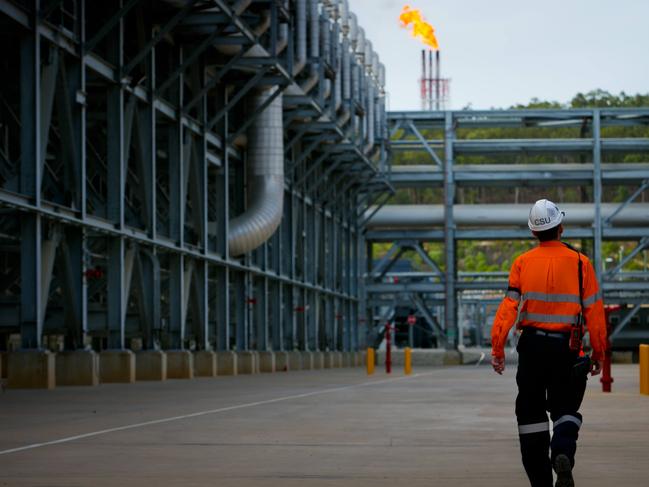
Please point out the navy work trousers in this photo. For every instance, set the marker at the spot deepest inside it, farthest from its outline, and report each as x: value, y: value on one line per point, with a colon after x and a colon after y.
x: 547, y: 383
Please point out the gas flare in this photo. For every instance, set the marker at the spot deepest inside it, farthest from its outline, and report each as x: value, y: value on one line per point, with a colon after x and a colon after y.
x: 420, y: 28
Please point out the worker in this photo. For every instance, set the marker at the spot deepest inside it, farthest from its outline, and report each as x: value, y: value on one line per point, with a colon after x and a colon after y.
x: 552, y: 291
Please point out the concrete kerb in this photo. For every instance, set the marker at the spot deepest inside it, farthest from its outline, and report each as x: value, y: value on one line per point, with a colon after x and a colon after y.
x: 77, y: 368
x: 116, y: 366
x: 281, y: 362
x: 180, y: 364
x: 227, y: 363
x: 150, y: 365
x: 31, y: 369
x: 266, y: 361
x: 205, y: 364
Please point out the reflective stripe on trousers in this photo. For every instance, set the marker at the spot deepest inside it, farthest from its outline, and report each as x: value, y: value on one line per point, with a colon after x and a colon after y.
x: 527, y: 429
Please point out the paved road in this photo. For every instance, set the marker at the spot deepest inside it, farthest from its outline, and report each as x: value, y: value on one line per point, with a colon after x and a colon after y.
x: 443, y: 426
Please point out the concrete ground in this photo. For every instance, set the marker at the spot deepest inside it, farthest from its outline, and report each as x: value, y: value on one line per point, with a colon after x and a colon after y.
x: 441, y: 426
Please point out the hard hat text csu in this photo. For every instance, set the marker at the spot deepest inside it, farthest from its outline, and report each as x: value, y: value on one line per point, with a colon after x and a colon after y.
x: 542, y: 221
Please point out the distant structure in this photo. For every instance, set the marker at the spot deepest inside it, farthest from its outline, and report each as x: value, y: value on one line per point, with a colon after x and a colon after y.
x: 435, y: 90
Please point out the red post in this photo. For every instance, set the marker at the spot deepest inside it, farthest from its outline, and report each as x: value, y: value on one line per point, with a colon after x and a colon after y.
x: 606, y: 379
x: 388, y: 349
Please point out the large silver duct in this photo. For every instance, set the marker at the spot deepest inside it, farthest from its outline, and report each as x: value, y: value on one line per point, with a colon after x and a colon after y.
x: 427, y: 216
x: 266, y: 176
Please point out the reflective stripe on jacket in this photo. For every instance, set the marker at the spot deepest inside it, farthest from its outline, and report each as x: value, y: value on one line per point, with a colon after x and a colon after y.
x: 544, y: 293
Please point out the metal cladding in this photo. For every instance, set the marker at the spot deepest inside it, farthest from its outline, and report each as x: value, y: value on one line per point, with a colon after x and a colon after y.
x: 493, y: 215
x: 266, y: 175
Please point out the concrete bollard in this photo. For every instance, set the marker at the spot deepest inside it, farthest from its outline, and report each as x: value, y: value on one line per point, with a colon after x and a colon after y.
x: 226, y: 363
x: 266, y: 361
x: 358, y: 359
x: 338, y: 360
x: 644, y: 369
x: 246, y: 362
x: 281, y: 362
x: 31, y: 369
x: 295, y: 360
x: 150, y: 365
x: 307, y: 360
x: 318, y: 360
x: 328, y: 360
x: 205, y: 364
x: 77, y: 368
x: 180, y: 364
x: 116, y: 366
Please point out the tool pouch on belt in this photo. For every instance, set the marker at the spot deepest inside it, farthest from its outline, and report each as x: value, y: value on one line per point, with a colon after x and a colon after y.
x: 577, y: 330
x: 577, y: 334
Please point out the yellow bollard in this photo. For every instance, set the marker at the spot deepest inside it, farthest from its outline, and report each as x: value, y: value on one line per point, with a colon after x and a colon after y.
x: 370, y: 361
x: 644, y: 369
x: 407, y: 362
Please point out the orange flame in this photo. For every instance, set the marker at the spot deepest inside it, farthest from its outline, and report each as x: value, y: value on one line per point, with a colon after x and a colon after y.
x: 420, y: 28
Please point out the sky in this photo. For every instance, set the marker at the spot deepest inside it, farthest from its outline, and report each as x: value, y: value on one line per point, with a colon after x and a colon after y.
x: 500, y: 53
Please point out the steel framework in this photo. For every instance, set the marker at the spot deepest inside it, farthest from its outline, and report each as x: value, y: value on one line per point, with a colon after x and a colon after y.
x: 591, y: 160
x: 125, y: 127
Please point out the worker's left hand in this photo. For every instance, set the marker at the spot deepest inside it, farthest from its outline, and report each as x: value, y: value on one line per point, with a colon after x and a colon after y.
x: 595, y: 367
x: 498, y: 364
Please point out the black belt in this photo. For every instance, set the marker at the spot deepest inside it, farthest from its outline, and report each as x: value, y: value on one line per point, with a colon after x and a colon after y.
x: 551, y: 334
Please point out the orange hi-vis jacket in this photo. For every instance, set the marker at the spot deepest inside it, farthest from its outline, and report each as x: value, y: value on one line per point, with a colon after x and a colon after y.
x: 544, y: 293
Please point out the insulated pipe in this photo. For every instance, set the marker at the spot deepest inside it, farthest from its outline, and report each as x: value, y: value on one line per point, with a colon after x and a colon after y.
x: 378, y: 119
x: 335, y: 41
x: 382, y: 75
x: 344, y: 17
x: 300, y: 61
x: 369, y: 115
x: 314, y: 26
x: 353, y: 29
x: 325, y: 49
x: 314, y: 45
x: 360, y: 43
x: 346, y: 68
x: 356, y: 81
x: 375, y: 66
x: 426, y: 216
x: 325, y: 36
x: 369, y: 52
x: 338, y: 82
x: 265, y: 168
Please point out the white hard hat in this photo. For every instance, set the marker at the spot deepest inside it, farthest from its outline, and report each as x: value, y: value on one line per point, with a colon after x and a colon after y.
x: 544, y: 215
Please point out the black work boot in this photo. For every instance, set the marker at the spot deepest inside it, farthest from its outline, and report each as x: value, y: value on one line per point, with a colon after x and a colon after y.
x: 563, y: 468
